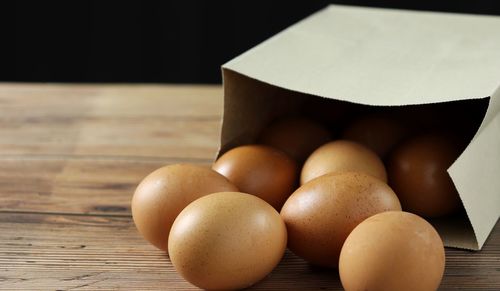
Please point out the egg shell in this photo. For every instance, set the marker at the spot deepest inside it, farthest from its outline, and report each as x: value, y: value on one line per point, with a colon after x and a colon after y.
x: 379, y: 133
x: 298, y: 137
x: 260, y: 170
x: 392, y: 251
x: 342, y: 156
x: 227, y: 241
x: 321, y: 214
x: 418, y: 174
x: 162, y: 195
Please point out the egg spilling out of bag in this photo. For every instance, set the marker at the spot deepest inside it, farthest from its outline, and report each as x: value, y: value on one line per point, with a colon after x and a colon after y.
x: 162, y: 195
x: 392, y: 251
x: 260, y: 170
x: 227, y: 241
x: 321, y: 213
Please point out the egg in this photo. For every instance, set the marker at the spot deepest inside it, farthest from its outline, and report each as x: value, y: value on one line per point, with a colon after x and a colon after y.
x: 226, y: 241
x: 260, y: 170
x: 379, y: 133
x: 392, y: 251
x: 342, y: 156
x: 298, y: 137
x: 162, y: 195
x: 418, y: 174
x: 320, y: 214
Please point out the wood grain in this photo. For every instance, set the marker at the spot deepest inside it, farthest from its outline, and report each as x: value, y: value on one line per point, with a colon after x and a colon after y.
x: 70, y: 185
x: 151, y: 121
x: 70, y: 159
x: 94, y: 252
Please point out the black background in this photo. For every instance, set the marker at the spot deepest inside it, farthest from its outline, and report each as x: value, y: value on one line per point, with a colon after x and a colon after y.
x: 164, y: 42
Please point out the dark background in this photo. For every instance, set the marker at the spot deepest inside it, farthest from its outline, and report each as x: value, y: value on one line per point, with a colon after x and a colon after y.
x: 164, y: 42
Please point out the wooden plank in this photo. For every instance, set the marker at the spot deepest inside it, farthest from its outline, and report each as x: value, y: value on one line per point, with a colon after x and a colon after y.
x: 144, y: 137
x: 84, y: 148
x: 110, y: 120
x: 49, y: 252
x: 69, y: 185
x: 45, y: 252
x: 183, y: 100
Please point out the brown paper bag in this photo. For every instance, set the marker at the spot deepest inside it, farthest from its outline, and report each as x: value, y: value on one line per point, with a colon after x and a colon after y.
x: 382, y: 57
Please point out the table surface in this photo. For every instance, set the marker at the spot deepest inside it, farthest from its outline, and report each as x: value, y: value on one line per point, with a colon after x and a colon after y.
x: 71, y: 157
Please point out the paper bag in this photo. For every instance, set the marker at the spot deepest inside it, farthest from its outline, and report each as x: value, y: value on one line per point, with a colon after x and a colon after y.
x: 382, y: 57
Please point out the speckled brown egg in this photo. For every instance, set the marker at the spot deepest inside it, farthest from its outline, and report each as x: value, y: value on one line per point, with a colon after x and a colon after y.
x: 227, y: 241
x: 298, y: 137
x: 418, y: 174
x: 260, y: 170
x: 342, y: 156
x: 321, y: 213
x: 392, y: 251
x: 380, y: 134
x: 162, y: 195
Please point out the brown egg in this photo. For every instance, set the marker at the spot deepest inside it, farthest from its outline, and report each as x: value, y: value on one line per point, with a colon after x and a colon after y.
x: 342, y: 156
x: 392, y: 251
x: 162, y: 195
x: 378, y: 133
x: 227, y: 241
x: 418, y: 174
x: 297, y: 137
x: 321, y: 214
x: 260, y: 170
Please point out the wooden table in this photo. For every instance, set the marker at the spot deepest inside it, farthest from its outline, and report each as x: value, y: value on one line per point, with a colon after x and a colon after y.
x: 70, y: 159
